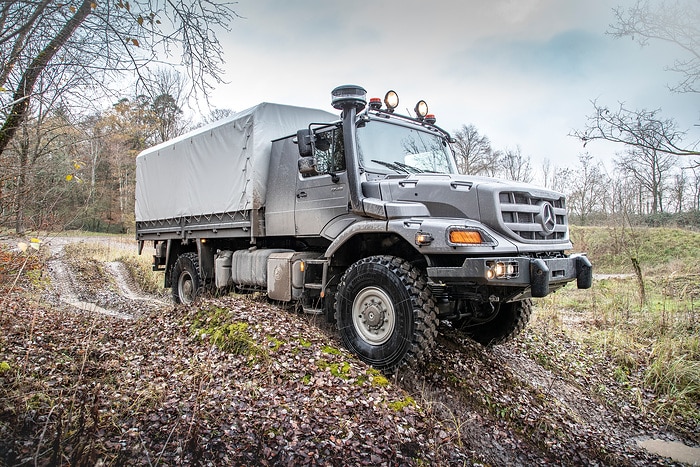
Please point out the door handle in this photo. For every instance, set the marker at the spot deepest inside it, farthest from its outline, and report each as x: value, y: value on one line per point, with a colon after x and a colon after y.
x: 301, y: 194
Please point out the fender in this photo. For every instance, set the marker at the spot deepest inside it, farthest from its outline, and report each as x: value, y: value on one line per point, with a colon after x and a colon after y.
x: 360, y: 226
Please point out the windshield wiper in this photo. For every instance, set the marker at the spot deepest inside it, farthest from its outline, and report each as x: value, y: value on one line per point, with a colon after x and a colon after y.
x: 393, y: 166
x: 408, y: 168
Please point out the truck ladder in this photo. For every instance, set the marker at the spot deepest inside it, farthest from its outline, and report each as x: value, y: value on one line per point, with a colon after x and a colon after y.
x: 313, y: 305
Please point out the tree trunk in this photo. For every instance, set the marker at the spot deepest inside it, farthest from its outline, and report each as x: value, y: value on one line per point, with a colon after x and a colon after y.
x: 20, y: 188
x: 23, y: 92
x: 640, y: 281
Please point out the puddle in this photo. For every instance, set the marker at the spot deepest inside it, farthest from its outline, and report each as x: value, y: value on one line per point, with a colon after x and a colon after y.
x: 679, y: 452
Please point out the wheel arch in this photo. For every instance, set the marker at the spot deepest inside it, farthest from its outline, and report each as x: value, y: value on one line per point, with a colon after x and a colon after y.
x: 368, y: 238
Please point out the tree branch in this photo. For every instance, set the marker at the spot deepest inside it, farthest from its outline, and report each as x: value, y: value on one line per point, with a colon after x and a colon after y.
x: 641, y: 128
x: 25, y: 88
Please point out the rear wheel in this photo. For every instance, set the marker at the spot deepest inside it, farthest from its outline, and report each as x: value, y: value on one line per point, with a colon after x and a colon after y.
x: 185, y: 278
x: 509, y: 321
x: 385, y: 312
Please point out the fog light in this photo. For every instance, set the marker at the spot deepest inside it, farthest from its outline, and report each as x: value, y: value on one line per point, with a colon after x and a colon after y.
x: 502, y: 269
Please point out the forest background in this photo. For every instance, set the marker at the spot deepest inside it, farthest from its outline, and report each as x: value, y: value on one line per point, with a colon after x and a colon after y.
x: 67, y: 162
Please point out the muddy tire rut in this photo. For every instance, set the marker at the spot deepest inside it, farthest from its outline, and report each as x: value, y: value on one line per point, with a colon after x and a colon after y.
x: 96, y: 287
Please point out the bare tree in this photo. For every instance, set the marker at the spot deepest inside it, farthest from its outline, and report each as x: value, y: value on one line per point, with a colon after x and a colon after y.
x: 36, y: 140
x: 547, y: 173
x: 516, y: 166
x: 100, y: 41
x: 696, y: 188
x: 588, y: 186
x: 473, y: 152
x: 561, y: 180
x: 675, y: 22
x: 217, y: 114
x: 167, y: 93
x: 678, y: 190
x: 651, y: 170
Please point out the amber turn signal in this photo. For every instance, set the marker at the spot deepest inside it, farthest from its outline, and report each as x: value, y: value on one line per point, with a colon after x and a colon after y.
x: 470, y: 237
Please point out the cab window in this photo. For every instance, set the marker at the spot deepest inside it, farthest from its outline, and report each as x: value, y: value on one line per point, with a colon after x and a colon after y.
x: 329, y: 150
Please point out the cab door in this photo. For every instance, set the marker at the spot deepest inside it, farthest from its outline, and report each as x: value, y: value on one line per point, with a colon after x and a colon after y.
x: 323, y: 196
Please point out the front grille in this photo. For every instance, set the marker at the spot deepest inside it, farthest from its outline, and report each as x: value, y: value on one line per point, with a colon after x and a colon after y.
x: 533, y: 218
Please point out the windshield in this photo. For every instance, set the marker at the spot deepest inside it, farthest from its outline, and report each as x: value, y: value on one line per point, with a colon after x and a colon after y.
x: 389, y: 148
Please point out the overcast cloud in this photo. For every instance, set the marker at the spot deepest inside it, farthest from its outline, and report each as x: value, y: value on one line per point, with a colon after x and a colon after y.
x: 523, y: 72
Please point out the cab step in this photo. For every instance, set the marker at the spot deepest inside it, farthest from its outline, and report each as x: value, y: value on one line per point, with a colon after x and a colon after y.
x: 312, y: 311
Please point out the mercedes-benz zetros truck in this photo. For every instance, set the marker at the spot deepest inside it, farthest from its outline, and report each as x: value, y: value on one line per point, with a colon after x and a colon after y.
x: 361, y: 216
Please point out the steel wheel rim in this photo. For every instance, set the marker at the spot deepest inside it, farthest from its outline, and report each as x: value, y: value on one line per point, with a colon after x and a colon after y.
x: 185, y: 288
x: 373, y: 315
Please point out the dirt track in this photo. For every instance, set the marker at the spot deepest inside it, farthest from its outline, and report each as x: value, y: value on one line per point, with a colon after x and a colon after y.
x: 512, y: 405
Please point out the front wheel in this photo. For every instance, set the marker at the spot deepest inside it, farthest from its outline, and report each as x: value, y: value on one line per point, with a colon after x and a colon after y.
x: 385, y: 312
x: 185, y: 278
x: 509, y: 321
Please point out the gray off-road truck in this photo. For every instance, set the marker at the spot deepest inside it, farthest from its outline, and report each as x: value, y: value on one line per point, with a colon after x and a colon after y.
x: 364, y: 219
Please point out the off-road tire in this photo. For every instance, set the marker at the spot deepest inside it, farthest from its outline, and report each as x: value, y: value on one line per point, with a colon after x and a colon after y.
x: 185, y: 278
x: 388, y: 289
x: 510, y: 321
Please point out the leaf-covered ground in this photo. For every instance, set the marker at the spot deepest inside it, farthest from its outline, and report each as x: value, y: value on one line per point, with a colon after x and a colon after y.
x: 241, y: 381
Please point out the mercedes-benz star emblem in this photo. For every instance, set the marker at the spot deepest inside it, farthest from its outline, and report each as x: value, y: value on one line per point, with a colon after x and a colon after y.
x: 547, y: 218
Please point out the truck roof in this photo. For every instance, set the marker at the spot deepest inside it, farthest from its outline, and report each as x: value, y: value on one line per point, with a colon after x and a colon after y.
x: 218, y: 168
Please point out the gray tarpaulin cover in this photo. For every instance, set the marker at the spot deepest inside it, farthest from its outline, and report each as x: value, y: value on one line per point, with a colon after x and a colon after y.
x: 221, y: 167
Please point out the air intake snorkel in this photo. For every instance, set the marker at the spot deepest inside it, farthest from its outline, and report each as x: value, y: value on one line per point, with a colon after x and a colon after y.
x: 351, y: 99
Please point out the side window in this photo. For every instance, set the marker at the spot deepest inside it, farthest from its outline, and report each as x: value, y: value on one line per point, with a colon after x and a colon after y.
x: 329, y: 151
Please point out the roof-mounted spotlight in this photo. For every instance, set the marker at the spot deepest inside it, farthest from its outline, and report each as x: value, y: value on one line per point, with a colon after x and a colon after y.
x: 375, y: 103
x: 421, y: 109
x: 391, y: 100
x: 347, y: 96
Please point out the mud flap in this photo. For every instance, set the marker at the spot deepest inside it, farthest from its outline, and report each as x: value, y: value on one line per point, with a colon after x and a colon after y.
x: 584, y: 273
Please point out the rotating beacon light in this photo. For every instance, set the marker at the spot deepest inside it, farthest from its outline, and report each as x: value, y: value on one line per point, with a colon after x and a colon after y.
x: 375, y: 103
x: 349, y: 95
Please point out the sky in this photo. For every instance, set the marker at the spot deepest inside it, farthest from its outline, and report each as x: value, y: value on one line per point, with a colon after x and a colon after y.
x: 523, y: 72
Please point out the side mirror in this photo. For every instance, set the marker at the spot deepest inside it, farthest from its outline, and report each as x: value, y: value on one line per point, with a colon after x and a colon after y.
x: 307, y: 165
x: 305, y: 139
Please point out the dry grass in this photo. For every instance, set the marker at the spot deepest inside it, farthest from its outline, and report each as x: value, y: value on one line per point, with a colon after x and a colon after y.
x: 651, y: 343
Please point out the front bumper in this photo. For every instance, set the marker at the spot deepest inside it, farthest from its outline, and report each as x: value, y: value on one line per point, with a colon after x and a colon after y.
x: 520, y: 272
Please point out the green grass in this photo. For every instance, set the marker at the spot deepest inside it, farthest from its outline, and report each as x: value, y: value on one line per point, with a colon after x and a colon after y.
x: 609, y: 248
